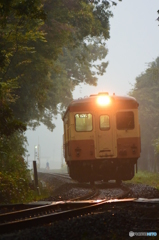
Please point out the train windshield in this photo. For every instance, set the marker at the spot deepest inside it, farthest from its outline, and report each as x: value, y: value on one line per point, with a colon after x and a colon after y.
x: 104, y: 122
x: 83, y: 122
x: 125, y: 120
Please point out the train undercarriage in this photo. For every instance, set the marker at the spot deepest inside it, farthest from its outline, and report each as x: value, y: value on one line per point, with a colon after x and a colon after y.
x: 90, y: 171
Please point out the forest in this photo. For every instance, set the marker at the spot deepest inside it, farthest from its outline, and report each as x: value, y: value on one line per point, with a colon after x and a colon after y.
x: 146, y: 91
x: 46, y: 49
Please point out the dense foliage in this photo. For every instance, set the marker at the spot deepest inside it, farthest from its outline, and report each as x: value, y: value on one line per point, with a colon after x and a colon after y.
x: 14, y: 181
x: 47, y: 47
x: 146, y: 91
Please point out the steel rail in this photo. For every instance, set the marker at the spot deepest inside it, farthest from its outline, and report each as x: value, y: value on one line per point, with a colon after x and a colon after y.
x: 49, y: 218
x: 23, y: 218
x: 28, y: 212
x: 61, y: 175
x: 21, y: 206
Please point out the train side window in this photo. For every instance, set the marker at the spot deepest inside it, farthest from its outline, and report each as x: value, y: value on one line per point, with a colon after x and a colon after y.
x: 125, y: 120
x: 83, y: 122
x: 104, y: 122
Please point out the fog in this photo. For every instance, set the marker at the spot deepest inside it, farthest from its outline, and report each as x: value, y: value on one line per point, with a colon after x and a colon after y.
x: 133, y: 43
x: 50, y: 143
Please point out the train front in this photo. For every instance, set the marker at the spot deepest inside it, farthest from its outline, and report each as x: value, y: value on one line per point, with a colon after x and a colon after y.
x: 102, y: 138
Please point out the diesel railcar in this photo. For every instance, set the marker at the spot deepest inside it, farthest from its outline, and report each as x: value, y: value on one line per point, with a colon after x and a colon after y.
x: 102, y: 138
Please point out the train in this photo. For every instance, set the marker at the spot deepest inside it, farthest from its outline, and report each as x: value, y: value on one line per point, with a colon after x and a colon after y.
x: 101, y: 139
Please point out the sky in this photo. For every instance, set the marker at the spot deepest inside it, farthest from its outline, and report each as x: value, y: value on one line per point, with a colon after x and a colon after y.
x: 133, y: 43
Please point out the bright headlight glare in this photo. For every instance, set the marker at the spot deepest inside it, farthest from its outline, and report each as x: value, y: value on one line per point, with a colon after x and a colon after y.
x: 103, y: 100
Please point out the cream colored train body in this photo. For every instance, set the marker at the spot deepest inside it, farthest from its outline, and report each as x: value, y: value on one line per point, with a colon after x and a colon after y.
x: 102, y: 138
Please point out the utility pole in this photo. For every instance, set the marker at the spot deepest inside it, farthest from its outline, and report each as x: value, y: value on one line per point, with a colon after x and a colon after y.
x: 37, y: 154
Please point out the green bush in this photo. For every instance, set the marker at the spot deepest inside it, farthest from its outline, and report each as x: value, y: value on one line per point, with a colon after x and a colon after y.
x: 14, y: 181
x: 14, y: 188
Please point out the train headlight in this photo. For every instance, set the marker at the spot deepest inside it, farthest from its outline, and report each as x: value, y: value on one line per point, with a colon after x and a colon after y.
x: 103, y: 100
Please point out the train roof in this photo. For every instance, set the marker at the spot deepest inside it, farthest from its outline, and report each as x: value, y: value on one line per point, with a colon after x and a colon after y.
x: 93, y: 97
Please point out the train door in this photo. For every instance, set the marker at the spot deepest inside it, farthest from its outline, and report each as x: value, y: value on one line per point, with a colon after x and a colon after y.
x: 104, y: 127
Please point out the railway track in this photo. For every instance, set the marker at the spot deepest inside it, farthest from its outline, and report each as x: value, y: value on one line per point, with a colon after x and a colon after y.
x: 64, y: 176
x: 34, y: 216
x: 110, y: 207
x: 77, y: 208
x: 48, y: 214
x: 54, y: 211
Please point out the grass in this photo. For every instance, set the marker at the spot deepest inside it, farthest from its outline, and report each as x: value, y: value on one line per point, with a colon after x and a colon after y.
x: 45, y: 192
x: 36, y: 197
x: 148, y: 178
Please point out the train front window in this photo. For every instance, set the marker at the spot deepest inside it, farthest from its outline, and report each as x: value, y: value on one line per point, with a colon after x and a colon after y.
x: 104, y: 122
x: 83, y: 122
x: 125, y: 120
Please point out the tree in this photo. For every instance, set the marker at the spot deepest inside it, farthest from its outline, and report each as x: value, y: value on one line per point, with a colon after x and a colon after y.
x: 19, y: 24
x: 146, y: 91
x: 158, y: 17
x: 38, y: 49
x: 46, y: 48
